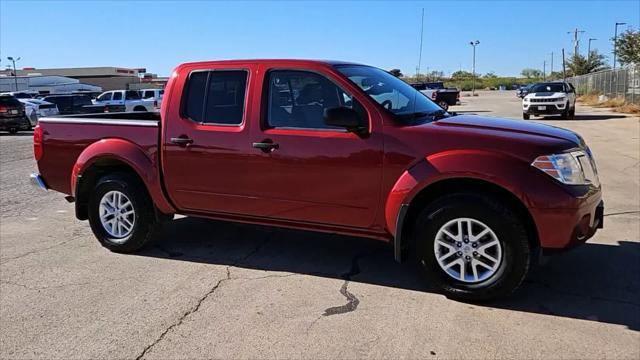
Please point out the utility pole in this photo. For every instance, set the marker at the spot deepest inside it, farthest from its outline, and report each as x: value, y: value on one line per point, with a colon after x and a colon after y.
x: 421, y: 37
x: 576, y: 41
x: 564, y: 70
x: 589, y: 49
x: 474, y: 44
x: 551, y: 70
x: 544, y: 70
x: 15, y: 72
x: 615, y: 44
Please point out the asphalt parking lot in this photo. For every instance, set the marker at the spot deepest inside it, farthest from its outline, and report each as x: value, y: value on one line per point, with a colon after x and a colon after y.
x: 221, y: 290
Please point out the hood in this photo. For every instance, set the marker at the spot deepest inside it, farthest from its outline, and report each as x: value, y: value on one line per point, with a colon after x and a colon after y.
x: 509, y: 125
x: 545, y: 94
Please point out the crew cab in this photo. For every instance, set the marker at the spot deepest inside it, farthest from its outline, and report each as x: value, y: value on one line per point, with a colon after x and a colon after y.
x: 333, y: 147
x: 437, y: 92
x: 550, y: 98
x: 128, y: 100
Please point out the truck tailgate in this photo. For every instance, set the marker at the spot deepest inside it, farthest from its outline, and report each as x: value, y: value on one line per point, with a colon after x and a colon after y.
x: 64, y: 138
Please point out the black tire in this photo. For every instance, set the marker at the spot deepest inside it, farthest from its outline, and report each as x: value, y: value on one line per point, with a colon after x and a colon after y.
x: 145, y: 220
x: 508, y: 228
x: 572, y: 112
x: 444, y: 105
x: 525, y: 116
x: 139, y: 108
x: 13, y: 131
x: 566, y: 114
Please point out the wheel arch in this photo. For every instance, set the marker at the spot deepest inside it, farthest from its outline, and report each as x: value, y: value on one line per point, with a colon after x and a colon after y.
x: 115, y: 155
x: 428, y: 180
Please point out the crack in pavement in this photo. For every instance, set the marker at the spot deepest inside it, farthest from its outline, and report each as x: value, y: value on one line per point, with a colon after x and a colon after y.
x: 196, y: 307
x: 6, y: 260
x: 352, y: 300
x: 185, y: 315
x: 623, y: 213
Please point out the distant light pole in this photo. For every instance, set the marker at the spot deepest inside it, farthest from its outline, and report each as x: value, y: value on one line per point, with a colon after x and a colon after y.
x: 589, y: 48
x: 615, y: 43
x: 551, y: 70
x: 15, y: 72
x: 474, y: 44
x: 544, y: 70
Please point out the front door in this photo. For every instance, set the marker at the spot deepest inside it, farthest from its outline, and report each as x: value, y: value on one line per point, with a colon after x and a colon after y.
x: 205, y: 145
x: 304, y: 170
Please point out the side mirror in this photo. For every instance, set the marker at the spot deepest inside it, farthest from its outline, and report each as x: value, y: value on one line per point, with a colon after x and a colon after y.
x: 343, y: 117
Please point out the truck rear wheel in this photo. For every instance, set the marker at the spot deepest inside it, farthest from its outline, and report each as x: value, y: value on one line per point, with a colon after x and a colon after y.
x: 472, y: 247
x: 121, y: 213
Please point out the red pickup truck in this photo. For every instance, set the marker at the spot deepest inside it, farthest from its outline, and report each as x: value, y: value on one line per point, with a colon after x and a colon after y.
x: 334, y: 147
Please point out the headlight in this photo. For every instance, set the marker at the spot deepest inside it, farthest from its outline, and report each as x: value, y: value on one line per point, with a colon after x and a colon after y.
x: 560, y: 99
x: 574, y: 168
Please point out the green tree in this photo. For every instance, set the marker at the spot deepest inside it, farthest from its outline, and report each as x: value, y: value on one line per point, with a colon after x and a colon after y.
x: 396, y: 72
x: 628, y: 47
x: 490, y: 75
x: 461, y: 74
x: 531, y: 73
x: 580, y: 65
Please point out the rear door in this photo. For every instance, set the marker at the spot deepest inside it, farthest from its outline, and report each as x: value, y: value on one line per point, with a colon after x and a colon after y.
x: 206, y: 141
x: 314, y: 172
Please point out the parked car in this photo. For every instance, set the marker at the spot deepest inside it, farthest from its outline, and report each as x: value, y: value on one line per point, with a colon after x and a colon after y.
x: 24, y: 94
x: 153, y: 94
x: 76, y: 104
x: 36, y: 108
x: 436, y: 91
x: 550, y: 98
x: 129, y: 100
x: 523, y: 90
x: 333, y: 147
x: 12, y: 115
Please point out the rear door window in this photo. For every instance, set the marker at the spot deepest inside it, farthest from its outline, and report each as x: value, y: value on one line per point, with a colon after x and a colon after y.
x: 215, y: 97
x: 132, y: 95
x: 117, y: 96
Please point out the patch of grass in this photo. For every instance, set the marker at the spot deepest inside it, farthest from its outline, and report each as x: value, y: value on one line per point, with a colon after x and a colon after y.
x: 616, y: 104
x: 628, y: 109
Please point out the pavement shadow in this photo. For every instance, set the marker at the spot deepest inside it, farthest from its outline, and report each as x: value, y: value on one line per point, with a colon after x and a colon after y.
x: 593, y: 282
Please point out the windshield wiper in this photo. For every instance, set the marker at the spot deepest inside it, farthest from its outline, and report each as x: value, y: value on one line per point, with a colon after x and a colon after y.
x: 435, y: 115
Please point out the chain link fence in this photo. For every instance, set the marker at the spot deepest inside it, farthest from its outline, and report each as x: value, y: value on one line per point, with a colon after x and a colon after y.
x: 619, y: 83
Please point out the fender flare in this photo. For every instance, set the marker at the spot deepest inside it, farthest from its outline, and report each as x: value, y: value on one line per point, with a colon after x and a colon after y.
x: 499, y: 169
x: 130, y: 154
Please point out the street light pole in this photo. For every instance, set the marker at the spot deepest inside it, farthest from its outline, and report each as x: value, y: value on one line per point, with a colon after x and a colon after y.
x: 15, y: 72
x: 474, y: 44
x: 589, y: 49
x: 615, y: 44
x: 551, y: 70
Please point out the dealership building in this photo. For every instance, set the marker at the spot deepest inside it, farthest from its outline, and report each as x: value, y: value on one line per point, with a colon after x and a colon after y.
x: 104, y: 77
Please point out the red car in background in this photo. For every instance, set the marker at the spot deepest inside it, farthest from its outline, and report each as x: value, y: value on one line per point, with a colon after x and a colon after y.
x: 334, y: 147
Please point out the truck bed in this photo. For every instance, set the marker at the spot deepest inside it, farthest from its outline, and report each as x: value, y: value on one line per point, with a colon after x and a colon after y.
x: 66, y: 137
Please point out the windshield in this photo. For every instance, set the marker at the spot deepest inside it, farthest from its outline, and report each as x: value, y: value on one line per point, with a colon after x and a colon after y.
x: 547, y: 88
x: 387, y: 90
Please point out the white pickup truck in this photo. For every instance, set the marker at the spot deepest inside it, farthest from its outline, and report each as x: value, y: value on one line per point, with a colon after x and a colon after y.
x: 125, y: 100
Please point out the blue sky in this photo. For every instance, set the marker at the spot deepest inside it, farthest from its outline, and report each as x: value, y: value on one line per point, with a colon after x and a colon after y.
x: 160, y: 34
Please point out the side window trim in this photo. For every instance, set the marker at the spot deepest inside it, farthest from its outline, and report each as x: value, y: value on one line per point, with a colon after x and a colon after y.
x: 206, y: 96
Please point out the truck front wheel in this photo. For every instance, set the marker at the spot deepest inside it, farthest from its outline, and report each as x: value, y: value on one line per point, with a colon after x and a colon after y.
x: 472, y: 247
x: 121, y: 213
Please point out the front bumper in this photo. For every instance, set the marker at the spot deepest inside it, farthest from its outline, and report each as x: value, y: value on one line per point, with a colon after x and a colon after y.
x: 565, y: 228
x: 18, y: 123
x: 544, y: 108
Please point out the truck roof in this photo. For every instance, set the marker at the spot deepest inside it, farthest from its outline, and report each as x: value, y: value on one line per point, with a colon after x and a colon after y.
x: 274, y: 61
